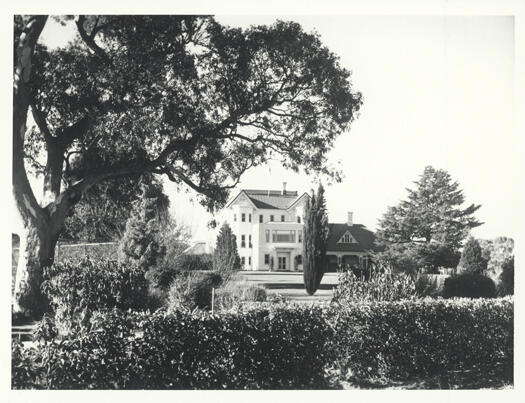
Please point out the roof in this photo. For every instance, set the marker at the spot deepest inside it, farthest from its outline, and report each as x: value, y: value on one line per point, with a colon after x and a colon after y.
x: 199, y: 248
x: 270, y: 199
x: 363, y: 236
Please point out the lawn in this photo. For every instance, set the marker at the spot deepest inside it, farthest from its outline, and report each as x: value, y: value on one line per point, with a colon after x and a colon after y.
x: 290, y: 285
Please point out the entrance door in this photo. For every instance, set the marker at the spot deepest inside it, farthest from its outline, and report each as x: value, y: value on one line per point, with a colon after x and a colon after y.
x: 281, y: 263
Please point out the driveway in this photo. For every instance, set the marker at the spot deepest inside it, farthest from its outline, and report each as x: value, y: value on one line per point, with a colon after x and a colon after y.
x: 291, y: 285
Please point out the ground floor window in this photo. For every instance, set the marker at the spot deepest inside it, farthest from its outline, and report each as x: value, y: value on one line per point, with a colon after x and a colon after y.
x: 243, y: 261
x: 266, y: 258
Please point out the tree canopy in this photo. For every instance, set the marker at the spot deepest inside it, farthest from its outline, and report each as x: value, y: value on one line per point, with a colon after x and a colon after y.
x: 181, y: 96
x: 427, y: 229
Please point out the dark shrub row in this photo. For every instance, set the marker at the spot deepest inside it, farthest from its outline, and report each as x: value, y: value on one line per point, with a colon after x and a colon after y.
x: 396, y: 340
x: 275, y: 347
x: 469, y: 285
x: 281, y: 348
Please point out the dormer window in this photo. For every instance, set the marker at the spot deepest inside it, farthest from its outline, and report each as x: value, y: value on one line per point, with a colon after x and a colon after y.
x: 347, y: 238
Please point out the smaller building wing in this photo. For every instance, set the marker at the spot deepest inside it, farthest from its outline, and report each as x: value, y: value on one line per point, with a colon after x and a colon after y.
x: 364, y: 238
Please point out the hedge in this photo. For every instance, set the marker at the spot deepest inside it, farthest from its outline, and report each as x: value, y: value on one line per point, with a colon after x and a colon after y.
x: 272, y: 347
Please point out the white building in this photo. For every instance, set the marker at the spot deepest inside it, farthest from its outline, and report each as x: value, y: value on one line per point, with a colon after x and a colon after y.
x: 268, y: 225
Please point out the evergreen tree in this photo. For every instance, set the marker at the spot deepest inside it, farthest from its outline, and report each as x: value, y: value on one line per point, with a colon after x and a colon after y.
x: 427, y: 230
x: 141, y: 244
x: 472, y: 260
x: 226, y: 258
x: 314, y: 241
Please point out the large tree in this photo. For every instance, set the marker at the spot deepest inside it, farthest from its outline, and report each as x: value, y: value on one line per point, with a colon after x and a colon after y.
x: 225, y: 256
x: 182, y: 96
x: 315, y: 241
x: 427, y: 229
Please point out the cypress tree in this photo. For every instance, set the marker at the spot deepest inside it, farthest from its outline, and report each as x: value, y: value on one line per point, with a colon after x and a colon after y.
x: 314, y: 242
x: 226, y: 258
x: 472, y: 260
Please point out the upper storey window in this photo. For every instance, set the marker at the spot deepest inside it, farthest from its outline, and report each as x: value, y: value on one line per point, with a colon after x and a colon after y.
x: 282, y: 218
x: 243, y: 217
x: 347, y: 238
x: 261, y: 218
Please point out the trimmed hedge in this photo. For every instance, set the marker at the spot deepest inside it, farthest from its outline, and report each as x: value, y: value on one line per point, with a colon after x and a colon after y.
x: 272, y: 347
x: 470, y: 285
x: 404, y: 339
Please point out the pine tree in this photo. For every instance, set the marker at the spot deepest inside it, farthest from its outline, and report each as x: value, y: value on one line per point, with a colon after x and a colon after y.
x: 314, y: 241
x: 428, y: 229
x: 472, y: 260
x: 226, y: 257
x: 140, y: 243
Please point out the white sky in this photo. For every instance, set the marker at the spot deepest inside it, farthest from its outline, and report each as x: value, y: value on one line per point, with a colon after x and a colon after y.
x: 437, y: 91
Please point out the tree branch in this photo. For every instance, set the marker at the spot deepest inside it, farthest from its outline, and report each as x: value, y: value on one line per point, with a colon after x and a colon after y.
x: 89, y: 39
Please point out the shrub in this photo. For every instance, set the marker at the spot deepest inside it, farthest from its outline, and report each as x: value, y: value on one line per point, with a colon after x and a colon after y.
x: 472, y: 260
x: 260, y: 349
x: 193, y: 290
x: 406, y: 339
x: 471, y: 285
x: 162, y: 275
x: 235, y: 293
x: 430, y: 285
x: 506, y: 283
x: 379, y: 287
x: 76, y: 290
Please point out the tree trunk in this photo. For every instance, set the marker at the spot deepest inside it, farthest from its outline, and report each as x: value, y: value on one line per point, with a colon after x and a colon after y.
x: 37, y: 250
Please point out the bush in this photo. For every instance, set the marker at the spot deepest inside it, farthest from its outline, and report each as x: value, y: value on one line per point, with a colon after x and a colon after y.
x: 379, y: 287
x: 162, y: 275
x: 430, y: 285
x: 471, y: 285
x: 193, y: 290
x: 235, y: 293
x: 405, y: 339
x: 260, y: 349
x: 76, y: 290
x: 506, y: 283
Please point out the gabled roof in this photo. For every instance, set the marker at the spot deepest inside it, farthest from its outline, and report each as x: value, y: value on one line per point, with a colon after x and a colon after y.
x: 363, y: 236
x: 269, y: 199
x: 198, y: 248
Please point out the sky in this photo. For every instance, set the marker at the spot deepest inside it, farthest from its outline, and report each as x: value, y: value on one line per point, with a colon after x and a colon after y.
x: 436, y: 91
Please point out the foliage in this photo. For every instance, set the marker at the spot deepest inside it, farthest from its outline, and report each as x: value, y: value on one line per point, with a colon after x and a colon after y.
x: 426, y: 231
x: 430, y: 285
x: 469, y: 284
x: 379, y: 287
x: 140, y: 244
x: 77, y: 289
x: 472, y: 260
x: 403, y: 339
x: 192, y: 290
x: 315, y: 241
x: 273, y: 347
x: 234, y: 293
x: 226, y: 257
x: 506, y: 284
x: 497, y: 251
x: 269, y: 348
x: 102, y: 212
x: 162, y: 276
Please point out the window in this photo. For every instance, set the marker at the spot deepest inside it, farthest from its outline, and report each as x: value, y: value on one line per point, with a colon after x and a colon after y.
x: 249, y: 218
x: 300, y: 236
x: 249, y: 260
x: 347, y: 238
x: 249, y: 241
x: 283, y: 236
x: 235, y: 217
x: 266, y: 258
x: 299, y: 219
x: 260, y: 218
x: 243, y: 217
x: 299, y: 259
x: 282, y: 218
x: 243, y: 261
x: 243, y: 241
x: 339, y: 260
x: 267, y: 235
x: 271, y: 217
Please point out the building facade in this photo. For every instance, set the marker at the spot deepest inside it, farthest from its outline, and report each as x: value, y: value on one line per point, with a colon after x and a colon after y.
x: 268, y: 225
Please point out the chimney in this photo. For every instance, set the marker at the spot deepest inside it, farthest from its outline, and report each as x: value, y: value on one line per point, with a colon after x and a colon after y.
x: 350, y: 220
x: 284, y: 188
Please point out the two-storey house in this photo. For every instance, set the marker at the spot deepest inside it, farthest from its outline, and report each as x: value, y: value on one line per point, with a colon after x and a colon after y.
x: 268, y: 225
